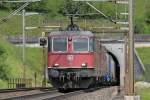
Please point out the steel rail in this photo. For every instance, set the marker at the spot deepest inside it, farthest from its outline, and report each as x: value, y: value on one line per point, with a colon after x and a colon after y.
x: 63, y: 96
x: 53, y: 94
x: 70, y: 94
x: 36, y: 96
x: 25, y: 89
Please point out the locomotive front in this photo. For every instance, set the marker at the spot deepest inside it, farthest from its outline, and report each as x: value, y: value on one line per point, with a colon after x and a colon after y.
x: 71, y: 59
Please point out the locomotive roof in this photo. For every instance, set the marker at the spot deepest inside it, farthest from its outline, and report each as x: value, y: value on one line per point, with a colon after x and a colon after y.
x: 85, y: 33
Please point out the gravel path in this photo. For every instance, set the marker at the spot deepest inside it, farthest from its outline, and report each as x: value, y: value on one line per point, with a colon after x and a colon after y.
x: 101, y: 94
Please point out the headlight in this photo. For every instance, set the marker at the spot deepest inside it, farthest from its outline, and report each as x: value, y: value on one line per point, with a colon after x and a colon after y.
x: 56, y: 65
x: 84, y: 64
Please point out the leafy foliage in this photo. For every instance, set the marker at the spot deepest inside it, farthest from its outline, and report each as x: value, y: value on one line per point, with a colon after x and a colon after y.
x: 3, y: 65
x: 147, y: 13
x: 75, y: 8
x: 69, y: 7
x: 11, y: 65
x: 37, y: 6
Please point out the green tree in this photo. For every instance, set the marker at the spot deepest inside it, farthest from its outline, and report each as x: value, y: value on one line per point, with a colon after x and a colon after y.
x: 40, y: 6
x: 139, y: 27
x: 36, y: 6
x: 69, y: 7
x: 147, y: 14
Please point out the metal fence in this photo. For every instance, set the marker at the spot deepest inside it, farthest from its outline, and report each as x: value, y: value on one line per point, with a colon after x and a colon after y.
x: 19, y: 83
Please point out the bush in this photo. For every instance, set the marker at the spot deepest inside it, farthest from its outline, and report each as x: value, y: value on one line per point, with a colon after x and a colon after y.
x: 36, y: 6
x: 139, y: 27
x: 3, y: 65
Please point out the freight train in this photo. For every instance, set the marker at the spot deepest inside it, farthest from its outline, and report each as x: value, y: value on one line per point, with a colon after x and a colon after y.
x: 76, y: 60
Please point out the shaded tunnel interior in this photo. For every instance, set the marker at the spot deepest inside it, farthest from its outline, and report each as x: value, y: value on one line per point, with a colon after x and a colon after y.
x: 117, y: 66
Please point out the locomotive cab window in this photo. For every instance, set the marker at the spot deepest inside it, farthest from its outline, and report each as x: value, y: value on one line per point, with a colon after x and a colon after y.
x: 81, y: 44
x: 59, y: 44
x: 49, y: 44
x: 91, y: 43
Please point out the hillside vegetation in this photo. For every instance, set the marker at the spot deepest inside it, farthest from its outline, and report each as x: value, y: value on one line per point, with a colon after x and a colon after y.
x: 11, y: 65
x: 58, y: 9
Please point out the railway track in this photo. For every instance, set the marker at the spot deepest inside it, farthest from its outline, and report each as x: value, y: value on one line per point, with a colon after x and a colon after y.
x: 23, y: 92
x: 48, y: 94
x: 23, y: 89
x: 104, y: 93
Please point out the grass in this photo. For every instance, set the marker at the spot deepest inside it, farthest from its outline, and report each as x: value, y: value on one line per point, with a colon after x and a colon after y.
x: 34, y: 62
x: 144, y: 94
x: 14, y: 64
x: 11, y: 62
x: 144, y: 54
x: 14, y: 25
x: 141, y: 10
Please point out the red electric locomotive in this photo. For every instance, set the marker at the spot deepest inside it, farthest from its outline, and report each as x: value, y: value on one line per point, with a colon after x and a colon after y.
x: 73, y: 60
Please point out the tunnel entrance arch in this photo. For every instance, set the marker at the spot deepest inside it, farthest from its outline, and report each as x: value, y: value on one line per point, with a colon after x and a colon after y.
x: 116, y: 65
x: 117, y: 51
